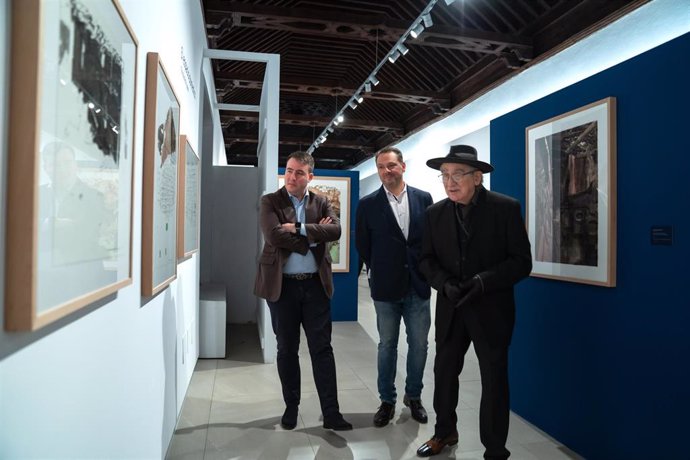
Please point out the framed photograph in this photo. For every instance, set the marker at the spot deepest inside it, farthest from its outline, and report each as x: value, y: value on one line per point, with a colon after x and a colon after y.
x: 571, y: 195
x: 161, y: 155
x: 188, y: 205
x: 72, y: 106
x: 337, y: 191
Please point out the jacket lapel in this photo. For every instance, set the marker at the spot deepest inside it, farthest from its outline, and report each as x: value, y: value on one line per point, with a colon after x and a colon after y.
x: 385, y: 209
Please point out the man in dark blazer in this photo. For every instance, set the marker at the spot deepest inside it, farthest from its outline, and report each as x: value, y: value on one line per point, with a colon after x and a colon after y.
x: 475, y: 249
x: 295, y: 278
x: 389, y: 237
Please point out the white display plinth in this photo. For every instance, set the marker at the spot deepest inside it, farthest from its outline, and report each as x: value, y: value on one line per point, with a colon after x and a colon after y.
x: 212, y: 316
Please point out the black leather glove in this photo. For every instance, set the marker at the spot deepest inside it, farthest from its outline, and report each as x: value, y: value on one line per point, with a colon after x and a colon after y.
x: 471, y: 290
x: 451, y: 289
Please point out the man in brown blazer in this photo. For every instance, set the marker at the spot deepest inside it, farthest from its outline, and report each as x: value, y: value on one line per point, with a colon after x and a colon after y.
x: 295, y: 278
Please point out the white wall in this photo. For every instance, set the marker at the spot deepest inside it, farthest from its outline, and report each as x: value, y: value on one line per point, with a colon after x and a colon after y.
x: 108, y: 381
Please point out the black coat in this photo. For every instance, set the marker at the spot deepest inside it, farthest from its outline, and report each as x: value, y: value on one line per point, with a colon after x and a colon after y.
x: 498, y: 250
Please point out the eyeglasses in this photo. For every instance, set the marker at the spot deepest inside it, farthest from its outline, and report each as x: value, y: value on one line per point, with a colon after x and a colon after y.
x: 456, y: 176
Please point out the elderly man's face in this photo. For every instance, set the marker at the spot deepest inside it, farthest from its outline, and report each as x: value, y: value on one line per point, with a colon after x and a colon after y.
x: 460, y: 181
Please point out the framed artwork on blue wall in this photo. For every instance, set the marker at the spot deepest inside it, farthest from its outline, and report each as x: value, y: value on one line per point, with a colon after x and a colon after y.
x: 70, y: 162
x: 571, y: 195
x: 161, y: 161
x: 337, y: 191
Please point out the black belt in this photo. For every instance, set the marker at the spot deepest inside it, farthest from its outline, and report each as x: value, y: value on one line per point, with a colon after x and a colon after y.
x: 299, y: 276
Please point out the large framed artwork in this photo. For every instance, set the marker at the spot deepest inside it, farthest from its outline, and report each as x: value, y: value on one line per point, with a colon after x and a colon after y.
x: 69, y: 198
x: 161, y: 155
x: 188, y: 206
x: 571, y: 195
x: 337, y: 191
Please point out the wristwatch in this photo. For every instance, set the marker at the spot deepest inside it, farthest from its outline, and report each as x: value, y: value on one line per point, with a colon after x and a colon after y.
x: 298, y: 226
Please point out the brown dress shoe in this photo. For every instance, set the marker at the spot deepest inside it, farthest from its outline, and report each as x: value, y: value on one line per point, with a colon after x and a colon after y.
x: 435, y: 445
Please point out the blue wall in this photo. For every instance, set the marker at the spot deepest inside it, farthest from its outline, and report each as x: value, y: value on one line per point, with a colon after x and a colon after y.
x: 606, y: 371
x: 344, y: 302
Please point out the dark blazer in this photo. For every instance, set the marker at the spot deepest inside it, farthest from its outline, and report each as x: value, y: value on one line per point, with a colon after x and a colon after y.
x: 392, y: 260
x: 498, y: 250
x: 276, y: 209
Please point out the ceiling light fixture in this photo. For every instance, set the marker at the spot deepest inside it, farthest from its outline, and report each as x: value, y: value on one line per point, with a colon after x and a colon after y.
x: 397, y: 50
x: 417, y: 31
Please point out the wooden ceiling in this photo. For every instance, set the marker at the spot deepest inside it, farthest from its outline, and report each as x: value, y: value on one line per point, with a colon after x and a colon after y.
x: 328, y: 48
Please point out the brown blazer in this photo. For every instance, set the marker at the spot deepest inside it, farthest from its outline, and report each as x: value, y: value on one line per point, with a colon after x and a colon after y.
x: 276, y: 209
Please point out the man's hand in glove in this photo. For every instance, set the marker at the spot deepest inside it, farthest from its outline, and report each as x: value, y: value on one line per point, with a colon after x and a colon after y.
x: 471, y: 290
x: 451, y: 289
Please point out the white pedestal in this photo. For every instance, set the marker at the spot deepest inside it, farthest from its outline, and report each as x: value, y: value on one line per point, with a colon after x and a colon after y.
x: 212, y: 317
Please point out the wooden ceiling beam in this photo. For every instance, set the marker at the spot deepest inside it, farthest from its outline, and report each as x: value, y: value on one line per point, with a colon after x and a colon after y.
x: 227, y: 117
x: 227, y: 81
x: 222, y: 15
x: 304, y: 142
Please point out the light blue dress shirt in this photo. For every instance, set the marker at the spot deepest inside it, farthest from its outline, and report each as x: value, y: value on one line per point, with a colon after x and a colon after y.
x: 298, y: 263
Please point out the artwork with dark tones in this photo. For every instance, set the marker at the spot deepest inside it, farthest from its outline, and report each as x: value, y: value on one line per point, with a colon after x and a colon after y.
x: 97, y: 74
x: 569, y: 205
x: 571, y: 199
x: 72, y: 102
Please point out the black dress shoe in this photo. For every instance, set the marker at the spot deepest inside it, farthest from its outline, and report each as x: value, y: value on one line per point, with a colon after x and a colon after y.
x: 416, y: 409
x: 384, y: 414
x: 436, y: 444
x: 289, y: 419
x: 336, y: 423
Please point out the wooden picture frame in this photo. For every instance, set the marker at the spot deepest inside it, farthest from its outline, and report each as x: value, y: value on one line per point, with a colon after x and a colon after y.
x: 70, y: 163
x: 161, y: 169
x: 337, y: 191
x: 571, y: 195
x: 189, y: 204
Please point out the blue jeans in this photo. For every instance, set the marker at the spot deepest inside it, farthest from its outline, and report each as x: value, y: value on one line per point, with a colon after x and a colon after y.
x: 416, y: 314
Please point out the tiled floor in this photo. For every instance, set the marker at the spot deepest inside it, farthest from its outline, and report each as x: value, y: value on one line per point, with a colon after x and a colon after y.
x: 233, y: 406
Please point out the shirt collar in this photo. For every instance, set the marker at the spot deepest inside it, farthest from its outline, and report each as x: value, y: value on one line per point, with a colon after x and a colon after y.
x: 390, y: 195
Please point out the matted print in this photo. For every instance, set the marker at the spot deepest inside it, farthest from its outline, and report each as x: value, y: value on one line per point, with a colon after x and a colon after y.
x: 571, y: 195
x: 72, y: 106
x: 189, y: 204
x: 161, y: 154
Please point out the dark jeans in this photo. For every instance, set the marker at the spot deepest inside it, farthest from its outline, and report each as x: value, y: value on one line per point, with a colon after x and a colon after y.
x: 493, y: 365
x: 305, y: 303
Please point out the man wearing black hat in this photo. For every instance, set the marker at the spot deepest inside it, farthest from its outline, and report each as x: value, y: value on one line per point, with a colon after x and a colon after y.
x: 474, y: 250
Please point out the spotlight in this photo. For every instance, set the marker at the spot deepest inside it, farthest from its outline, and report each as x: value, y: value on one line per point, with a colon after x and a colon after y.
x: 417, y: 31
x: 359, y: 98
x: 329, y: 128
x: 403, y: 49
x: 428, y: 22
x: 374, y: 80
x: 340, y: 118
x: 367, y: 87
x: 394, y: 56
x: 352, y: 104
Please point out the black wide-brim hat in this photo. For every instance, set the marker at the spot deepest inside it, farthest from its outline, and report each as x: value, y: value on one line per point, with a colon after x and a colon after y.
x: 464, y: 154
